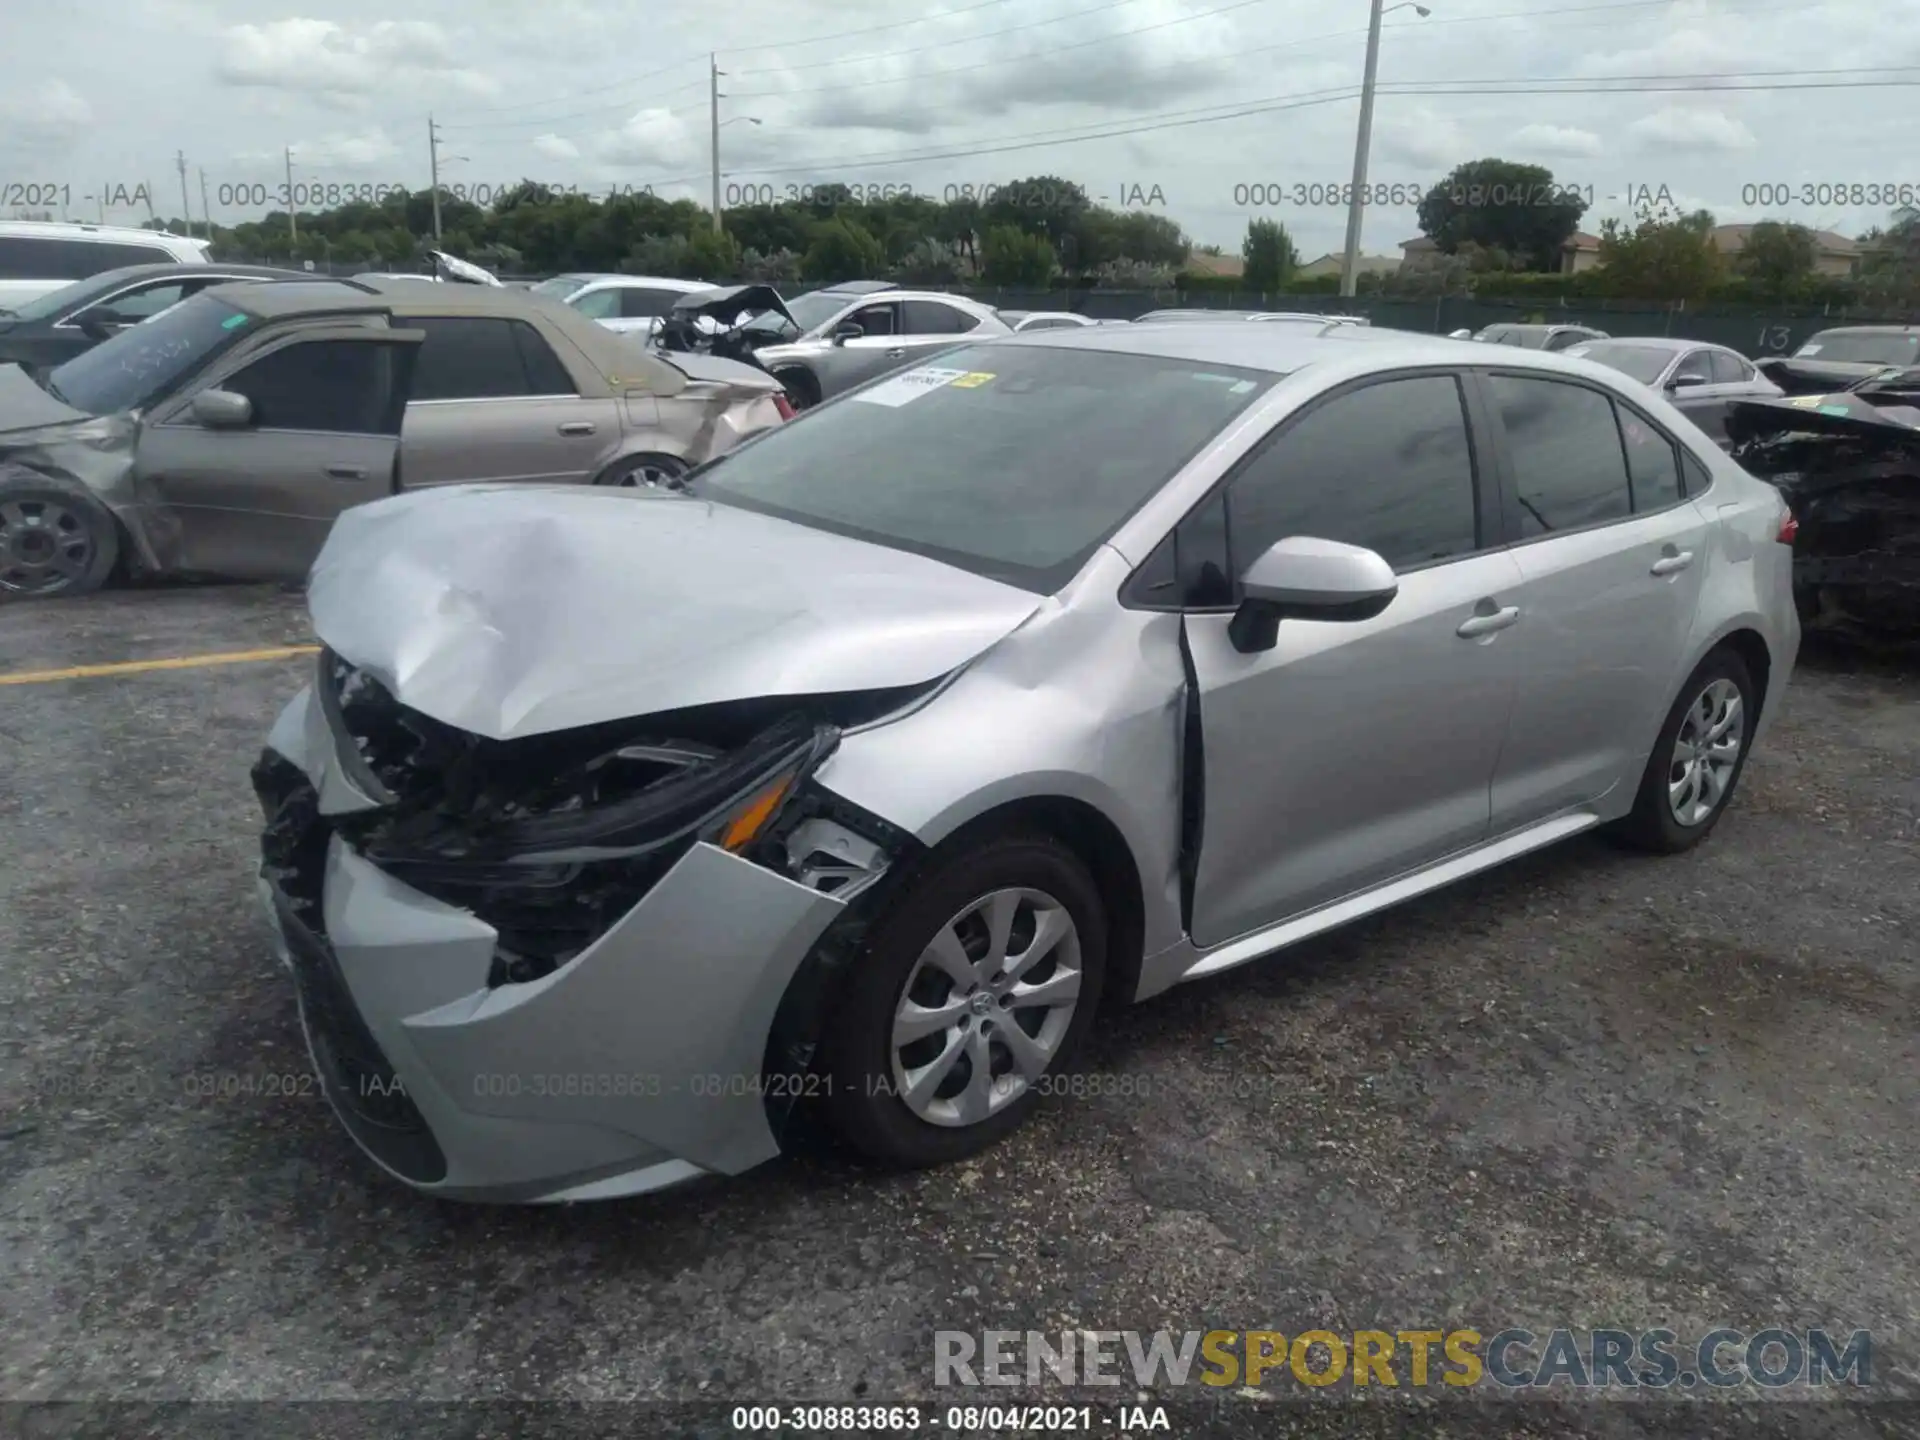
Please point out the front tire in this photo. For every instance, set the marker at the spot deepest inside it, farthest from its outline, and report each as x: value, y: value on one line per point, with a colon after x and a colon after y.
x: 972, y: 994
x: 1698, y: 759
x: 56, y: 538
x: 642, y: 472
x: 803, y: 390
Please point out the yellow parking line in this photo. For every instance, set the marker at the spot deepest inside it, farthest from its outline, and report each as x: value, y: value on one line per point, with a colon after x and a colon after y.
x: 176, y: 662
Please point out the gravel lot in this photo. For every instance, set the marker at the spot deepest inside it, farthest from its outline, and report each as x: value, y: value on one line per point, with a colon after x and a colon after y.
x: 1591, y: 1089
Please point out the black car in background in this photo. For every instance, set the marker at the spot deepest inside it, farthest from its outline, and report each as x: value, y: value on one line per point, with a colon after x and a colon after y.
x: 60, y: 325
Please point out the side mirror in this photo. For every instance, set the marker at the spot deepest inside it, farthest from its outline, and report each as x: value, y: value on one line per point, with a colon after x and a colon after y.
x: 1686, y: 382
x: 98, y: 324
x: 1305, y: 578
x: 222, y: 409
x: 848, y: 331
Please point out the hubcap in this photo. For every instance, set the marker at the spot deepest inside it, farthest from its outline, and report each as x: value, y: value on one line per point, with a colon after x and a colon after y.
x: 1705, y: 752
x: 649, y: 474
x: 985, y: 1009
x: 44, y: 546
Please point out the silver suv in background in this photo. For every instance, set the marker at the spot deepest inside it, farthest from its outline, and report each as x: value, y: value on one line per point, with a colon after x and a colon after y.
x: 870, y: 766
x: 40, y: 256
x: 845, y: 335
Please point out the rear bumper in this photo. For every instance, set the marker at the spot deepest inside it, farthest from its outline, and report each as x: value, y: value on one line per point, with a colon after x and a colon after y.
x: 635, y: 1065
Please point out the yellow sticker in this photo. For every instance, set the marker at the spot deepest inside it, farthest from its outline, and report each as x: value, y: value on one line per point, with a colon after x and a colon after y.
x: 972, y: 380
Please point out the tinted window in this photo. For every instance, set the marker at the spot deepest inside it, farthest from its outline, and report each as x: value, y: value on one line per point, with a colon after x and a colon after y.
x: 133, y: 305
x: 32, y: 257
x: 1564, y: 338
x: 1567, y: 459
x: 638, y: 304
x: 332, y: 385
x: 143, y: 362
x: 465, y: 358
x: 1389, y: 467
x: 1652, y: 463
x: 545, y: 374
x: 1728, y: 368
x: 875, y: 319
x: 930, y: 317
x: 1020, y: 473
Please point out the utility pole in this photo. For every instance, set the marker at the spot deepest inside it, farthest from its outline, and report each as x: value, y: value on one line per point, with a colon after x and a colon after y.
x: 713, y: 65
x: 433, y: 174
x: 1350, y: 262
x: 206, y: 210
x: 186, y: 205
x: 293, y: 223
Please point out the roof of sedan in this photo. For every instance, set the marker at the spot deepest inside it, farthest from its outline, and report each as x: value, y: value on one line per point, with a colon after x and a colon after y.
x: 1659, y: 342
x: 1277, y: 348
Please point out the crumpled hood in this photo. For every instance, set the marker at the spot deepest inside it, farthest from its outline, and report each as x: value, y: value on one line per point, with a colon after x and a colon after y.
x: 25, y: 406
x: 521, y: 610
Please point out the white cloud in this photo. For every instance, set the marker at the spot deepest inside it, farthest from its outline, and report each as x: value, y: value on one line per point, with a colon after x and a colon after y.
x: 1562, y: 142
x: 651, y: 137
x: 336, y: 151
x: 325, y: 58
x: 555, y: 147
x: 48, y: 116
x: 1423, y: 139
x: 1683, y: 128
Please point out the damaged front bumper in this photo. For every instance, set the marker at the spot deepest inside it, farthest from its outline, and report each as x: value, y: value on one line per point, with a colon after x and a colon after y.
x: 562, y: 1003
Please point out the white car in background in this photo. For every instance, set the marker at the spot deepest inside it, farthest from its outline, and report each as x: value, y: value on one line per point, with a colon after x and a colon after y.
x: 38, y: 257
x: 628, y: 304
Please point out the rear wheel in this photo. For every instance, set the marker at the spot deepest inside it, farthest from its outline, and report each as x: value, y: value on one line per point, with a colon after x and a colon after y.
x: 802, y: 389
x: 1698, y: 759
x: 56, y: 538
x: 973, y: 995
x: 643, y: 472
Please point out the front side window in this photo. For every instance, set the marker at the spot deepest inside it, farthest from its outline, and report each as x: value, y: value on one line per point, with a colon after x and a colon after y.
x: 598, y: 304
x: 1729, y: 368
x: 143, y: 362
x: 1388, y: 467
x: 638, y: 304
x: 1011, y: 463
x: 132, y: 306
x: 875, y: 319
x: 338, y: 386
x: 1694, y: 365
x: 1569, y: 469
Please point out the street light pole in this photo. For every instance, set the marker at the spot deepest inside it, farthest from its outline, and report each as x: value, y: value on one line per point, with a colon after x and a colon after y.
x: 433, y: 174
x: 713, y: 78
x: 1363, y: 142
x: 1350, y: 261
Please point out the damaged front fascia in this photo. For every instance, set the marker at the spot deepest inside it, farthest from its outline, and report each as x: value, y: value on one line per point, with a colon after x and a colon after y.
x: 1848, y: 465
x: 98, y: 454
x: 552, y: 838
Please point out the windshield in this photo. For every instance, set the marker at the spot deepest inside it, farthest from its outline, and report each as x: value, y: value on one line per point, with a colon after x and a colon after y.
x: 814, y: 308
x: 142, y: 362
x: 561, y: 286
x: 1007, y: 461
x: 1860, y: 348
x: 1644, y: 363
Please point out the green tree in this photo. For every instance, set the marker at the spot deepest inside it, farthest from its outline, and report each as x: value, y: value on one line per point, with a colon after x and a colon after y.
x: 713, y: 254
x: 1777, y: 257
x: 1664, y: 255
x: 1890, y: 260
x: 1500, y: 205
x: 1269, y: 254
x: 842, y: 250
x: 1012, y: 256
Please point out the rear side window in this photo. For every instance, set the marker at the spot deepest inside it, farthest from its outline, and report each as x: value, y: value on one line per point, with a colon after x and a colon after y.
x: 1653, y: 464
x: 1569, y: 468
x: 638, y: 304
x: 1389, y: 467
x: 930, y: 317
x: 466, y: 357
x: 341, y: 386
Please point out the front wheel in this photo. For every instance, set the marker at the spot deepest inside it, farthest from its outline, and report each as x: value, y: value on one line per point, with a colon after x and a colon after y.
x: 968, y: 1003
x: 1698, y: 759
x: 56, y: 538
x: 643, y: 472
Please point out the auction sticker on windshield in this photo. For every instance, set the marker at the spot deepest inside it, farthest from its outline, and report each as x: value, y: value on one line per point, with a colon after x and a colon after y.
x: 902, y: 389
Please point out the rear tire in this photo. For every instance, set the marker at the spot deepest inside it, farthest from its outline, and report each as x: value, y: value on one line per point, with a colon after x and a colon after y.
x: 56, y: 537
x: 922, y: 1069
x: 1697, y: 761
x: 803, y: 391
x: 642, y: 472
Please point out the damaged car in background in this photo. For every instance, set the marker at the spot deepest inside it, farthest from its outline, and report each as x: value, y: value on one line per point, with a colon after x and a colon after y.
x: 860, y: 786
x: 1842, y: 357
x: 224, y: 436
x: 1849, y: 465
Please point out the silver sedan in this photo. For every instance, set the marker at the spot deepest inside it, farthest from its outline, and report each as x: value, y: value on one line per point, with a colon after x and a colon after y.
x: 1057, y: 672
x: 1701, y: 380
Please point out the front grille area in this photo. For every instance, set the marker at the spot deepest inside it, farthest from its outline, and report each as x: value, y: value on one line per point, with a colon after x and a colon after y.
x: 369, y: 1096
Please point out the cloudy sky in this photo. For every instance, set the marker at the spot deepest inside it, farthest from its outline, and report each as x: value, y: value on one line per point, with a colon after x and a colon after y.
x: 1176, y: 104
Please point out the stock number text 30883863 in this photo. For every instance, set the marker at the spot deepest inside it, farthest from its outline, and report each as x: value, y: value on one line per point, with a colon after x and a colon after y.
x: 319, y: 194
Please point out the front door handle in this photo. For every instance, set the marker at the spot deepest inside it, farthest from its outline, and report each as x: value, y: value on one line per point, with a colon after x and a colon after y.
x: 1673, y: 562
x: 1487, y: 622
x: 347, y: 472
x: 577, y: 427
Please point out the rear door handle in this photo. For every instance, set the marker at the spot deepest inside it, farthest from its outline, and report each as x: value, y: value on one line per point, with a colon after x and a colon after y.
x: 347, y: 472
x: 577, y: 427
x: 1487, y: 623
x: 1673, y: 564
